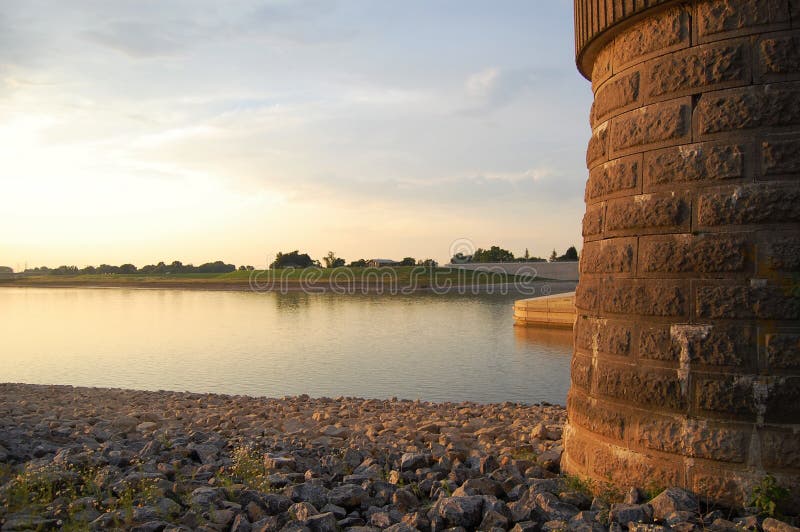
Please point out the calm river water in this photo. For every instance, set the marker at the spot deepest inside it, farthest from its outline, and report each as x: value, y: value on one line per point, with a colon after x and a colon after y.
x: 431, y: 347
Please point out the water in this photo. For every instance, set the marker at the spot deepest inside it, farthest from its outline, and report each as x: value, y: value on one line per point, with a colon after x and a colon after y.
x: 431, y: 347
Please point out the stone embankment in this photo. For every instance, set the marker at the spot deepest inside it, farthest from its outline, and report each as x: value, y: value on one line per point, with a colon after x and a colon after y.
x: 98, y: 459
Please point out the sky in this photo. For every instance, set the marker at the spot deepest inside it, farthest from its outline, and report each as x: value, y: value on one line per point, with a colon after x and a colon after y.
x: 197, y: 130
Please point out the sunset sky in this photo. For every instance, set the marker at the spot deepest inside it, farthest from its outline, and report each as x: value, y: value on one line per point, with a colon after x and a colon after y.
x: 147, y: 130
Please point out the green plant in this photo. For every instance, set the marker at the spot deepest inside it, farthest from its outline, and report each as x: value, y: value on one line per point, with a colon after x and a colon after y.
x: 768, y: 495
x: 576, y: 483
x: 247, y: 468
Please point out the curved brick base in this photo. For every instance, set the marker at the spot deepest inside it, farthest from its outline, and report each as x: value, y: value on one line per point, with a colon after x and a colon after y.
x: 687, y: 337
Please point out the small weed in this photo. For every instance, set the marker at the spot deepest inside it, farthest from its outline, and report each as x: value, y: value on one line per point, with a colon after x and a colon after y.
x: 248, y: 468
x: 581, y: 485
x: 768, y: 495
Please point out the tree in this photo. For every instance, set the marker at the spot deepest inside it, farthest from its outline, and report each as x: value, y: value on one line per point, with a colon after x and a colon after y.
x: 460, y: 258
x: 127, y: 268
x: 493, y: 254
x: 332, y: 261
x: 6, y: 269
x: 408, y: 261
x: 570, y: 255
x: 360, y: 263
x: 527, y: 254
x: 553, y: 256
x: 428, y: 263
x: 292, y: 259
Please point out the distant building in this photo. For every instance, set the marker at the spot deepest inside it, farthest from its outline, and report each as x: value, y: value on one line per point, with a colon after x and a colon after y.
x: 382, y: 263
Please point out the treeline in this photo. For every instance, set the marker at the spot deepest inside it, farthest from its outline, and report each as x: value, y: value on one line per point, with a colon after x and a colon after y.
x: 128, y: 269
x: 498, y: 254
x: 295, y: 259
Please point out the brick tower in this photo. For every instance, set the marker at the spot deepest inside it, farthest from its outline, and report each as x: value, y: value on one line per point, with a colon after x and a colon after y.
x: 686, y: 368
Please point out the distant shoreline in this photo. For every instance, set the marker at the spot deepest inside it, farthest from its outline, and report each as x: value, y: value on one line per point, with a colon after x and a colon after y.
x: 322, y: 287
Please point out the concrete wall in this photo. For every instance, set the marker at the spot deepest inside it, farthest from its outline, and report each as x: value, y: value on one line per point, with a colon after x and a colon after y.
x: 561, y: 271
x: 687, y: 340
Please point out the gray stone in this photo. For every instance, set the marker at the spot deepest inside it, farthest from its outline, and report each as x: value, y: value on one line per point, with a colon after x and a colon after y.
x: 460, y: 511
x: 553, y: 508
x: 773, y: 525
x: 322, y: 522
x: 413, y: 461
x: 673, y: 500
x: 631, y: 513
x: 347, y: 496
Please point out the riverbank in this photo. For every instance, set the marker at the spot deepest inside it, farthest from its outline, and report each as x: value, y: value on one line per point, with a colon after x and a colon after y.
x: 338, y: 280
x: 89, y: 458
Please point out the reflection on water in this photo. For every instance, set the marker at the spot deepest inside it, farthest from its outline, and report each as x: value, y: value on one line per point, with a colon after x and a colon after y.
x: 545, y: 336
x: 432, y: 347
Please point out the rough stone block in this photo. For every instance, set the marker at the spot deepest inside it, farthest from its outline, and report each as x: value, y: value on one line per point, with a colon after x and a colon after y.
x: 615, y: 177
x: 780, y: 253
x: 779, y: 57
x: 697, y: 69
x: 655, y: 125
x: 586, y: 413
x: 722, y: 486
x: 694, y: 438
x: 715, y: 17
x: 783, y: 350
x: 780, y: 448
x: 620, y: 92
x: 629, y: 468
x: 782, y: 400
x: 587, y: 295
x: 614, y: 255
x: 648, y: 213
x: 597, y: 151
x: 781, y: 157
x: 602, y: 67
x: 640, y: 386
x: 693, y: 163
x: 720, y: 345
x: 746, y: 302
x: 646, y: 298
x: 581, y: 371
x: 734, y: 395
x: 593, y: 220
x: 687, y: 253
x: 595, y: 336
x: 760, y: 106
x: 751, y: 204
x: 666, y: 31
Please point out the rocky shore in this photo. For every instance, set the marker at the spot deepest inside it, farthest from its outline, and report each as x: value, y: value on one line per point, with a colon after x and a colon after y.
x: 98, y: 459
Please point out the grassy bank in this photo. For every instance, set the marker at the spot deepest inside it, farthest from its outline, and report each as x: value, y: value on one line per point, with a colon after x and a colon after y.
x: 413, y: 278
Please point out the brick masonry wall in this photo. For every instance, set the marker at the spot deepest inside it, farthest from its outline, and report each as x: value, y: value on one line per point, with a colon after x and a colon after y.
x: 687, y: 338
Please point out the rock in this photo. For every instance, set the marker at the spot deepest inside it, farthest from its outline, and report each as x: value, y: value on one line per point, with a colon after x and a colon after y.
x: 748, y: 522
x: 401, y: 527
x: 27, y: 522
x: 645, y: 527
x: 380, y: 519
x: 267, y: 524
x: 222, y: 517
x: 479, y: 486
x: 553, y: 508
x: 526, y: 526
x: 493, y: 519
x: 413, y: 461
x: 723, y: 525
x: 240, y: 524
x: 773, y: 525
x: 322, y: 522
x: 347, y: 496
x: 404, y: 500
x: 634, y: 496
x: 308, y: 492
x: 147, y: 426
x: 275, y: 503
x: 673, y: 500
x: 337, y: 511
x: 631, y: 513
x: 300, y: 511
x: 207, y: 454
x: 150, y: 526
x: 205, y: 496
x: 555, y: 526
x: 279, y: 462
x: 460, y: 511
